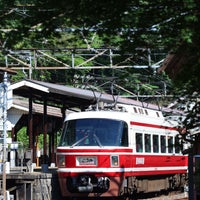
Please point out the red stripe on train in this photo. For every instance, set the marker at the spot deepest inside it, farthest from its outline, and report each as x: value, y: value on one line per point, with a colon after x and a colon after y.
x: 121, y: 174
x: 82, y: 150
x: 152, y: 125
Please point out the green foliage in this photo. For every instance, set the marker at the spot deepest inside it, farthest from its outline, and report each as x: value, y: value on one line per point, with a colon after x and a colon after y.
x: 23, y: 137
x: 137, y: 22
x: 126, y: 25
x: 16, y: 78
x: 41, y: 140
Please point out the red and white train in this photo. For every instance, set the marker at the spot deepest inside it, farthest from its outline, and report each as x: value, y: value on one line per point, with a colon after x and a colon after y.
x: 119, y: 152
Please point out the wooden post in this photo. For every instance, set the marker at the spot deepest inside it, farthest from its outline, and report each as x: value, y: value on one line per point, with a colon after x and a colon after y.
x: 30, y: 123
x: 45, y: 129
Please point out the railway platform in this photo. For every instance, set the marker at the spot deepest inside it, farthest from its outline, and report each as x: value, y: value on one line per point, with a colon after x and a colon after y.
x: 35, y: 185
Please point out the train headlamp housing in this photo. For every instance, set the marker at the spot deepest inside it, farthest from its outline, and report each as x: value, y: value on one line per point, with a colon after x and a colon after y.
x: 114, y: 160
x: 61, y: 161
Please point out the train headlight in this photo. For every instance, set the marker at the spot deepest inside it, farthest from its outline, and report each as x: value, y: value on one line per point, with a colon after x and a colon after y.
x: 61, y: 161
x: 114, y: 160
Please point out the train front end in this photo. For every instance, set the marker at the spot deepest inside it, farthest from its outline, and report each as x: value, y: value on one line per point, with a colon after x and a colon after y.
x: 91, y: 153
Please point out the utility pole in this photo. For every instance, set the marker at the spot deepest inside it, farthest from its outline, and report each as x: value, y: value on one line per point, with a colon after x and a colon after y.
x: 5, y: 82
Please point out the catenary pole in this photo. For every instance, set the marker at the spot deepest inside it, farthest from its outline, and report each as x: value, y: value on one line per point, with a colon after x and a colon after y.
x: 4, y: 132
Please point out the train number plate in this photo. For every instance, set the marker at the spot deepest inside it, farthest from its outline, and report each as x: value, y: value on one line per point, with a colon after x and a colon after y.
x: 86, y: 161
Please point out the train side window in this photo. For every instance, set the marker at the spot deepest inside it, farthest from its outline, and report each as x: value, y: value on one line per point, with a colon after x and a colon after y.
x: 135, y: 109
x: 147, y: 139
x: 140, y: 111
x: 157, y: 114
x: 139, y: 142
x: 155, y: 144
x: 177, y: 145
x: 163, y: 144
x: 170, y: 144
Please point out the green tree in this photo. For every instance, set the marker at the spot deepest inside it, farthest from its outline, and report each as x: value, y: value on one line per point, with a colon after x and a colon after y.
x: 23, y: 137
x: 138, y: 23
x: 127, y: 25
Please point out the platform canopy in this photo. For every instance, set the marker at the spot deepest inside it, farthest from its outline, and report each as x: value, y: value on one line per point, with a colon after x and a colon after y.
x: 64, y: 95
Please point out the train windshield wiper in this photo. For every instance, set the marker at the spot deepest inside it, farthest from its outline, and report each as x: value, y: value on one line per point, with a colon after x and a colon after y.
x: 79, y: 141
x: 97, y: 140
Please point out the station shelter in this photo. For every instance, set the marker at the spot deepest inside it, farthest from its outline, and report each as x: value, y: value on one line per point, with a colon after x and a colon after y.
x: 42, y: 106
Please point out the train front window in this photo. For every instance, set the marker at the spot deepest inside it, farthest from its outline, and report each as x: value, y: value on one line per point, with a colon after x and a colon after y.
x: 94, y: 132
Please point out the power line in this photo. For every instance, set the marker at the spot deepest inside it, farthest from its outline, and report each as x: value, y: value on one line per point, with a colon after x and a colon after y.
x: 77, y: 58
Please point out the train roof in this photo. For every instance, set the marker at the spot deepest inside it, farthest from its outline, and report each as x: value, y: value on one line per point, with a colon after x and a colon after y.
x: 119, y: 112
x: 127, y: 113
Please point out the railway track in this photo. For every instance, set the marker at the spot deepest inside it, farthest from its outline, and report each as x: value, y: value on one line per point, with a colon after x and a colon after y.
x: 170, y: 196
